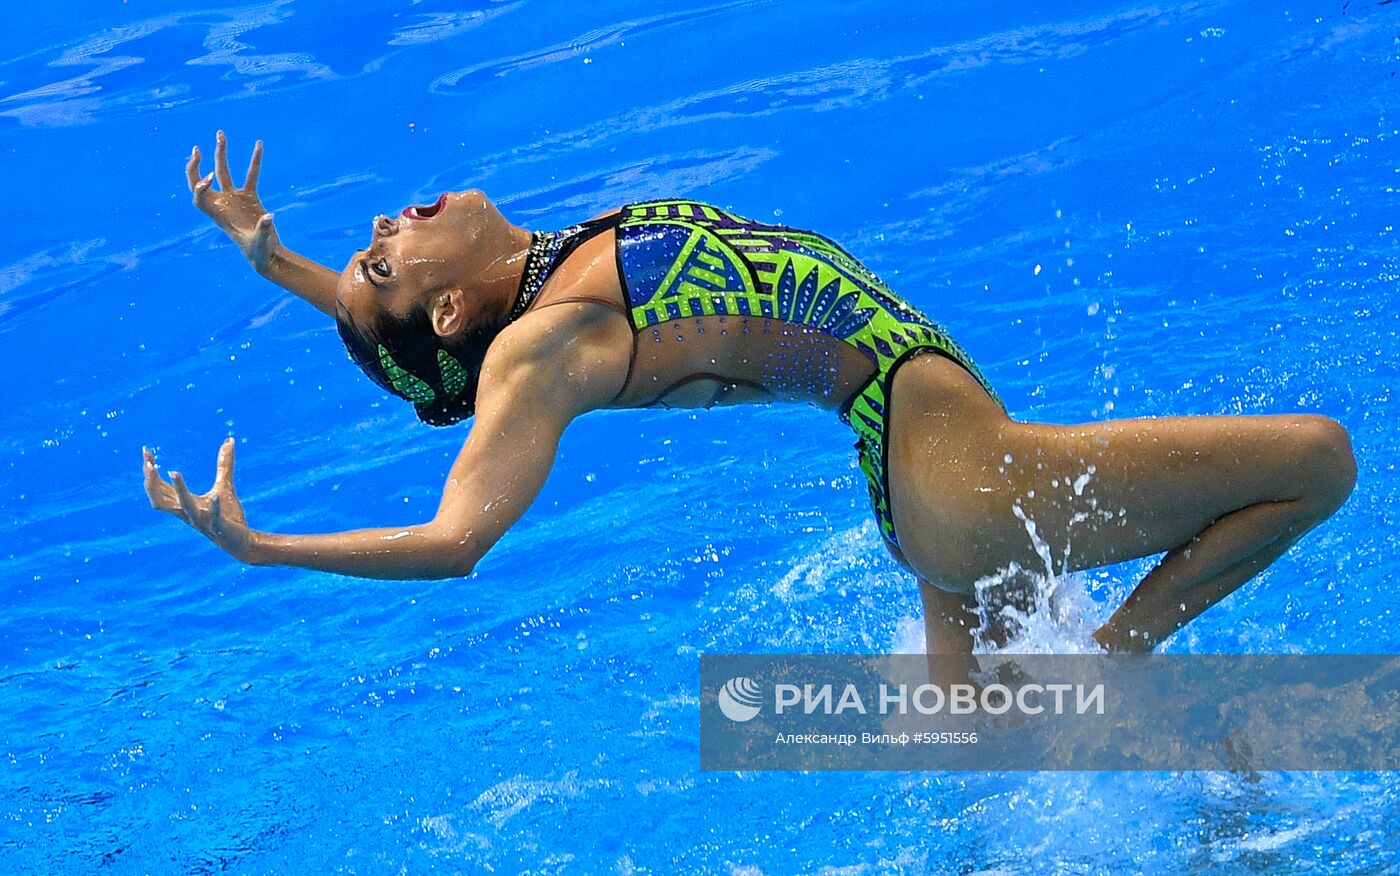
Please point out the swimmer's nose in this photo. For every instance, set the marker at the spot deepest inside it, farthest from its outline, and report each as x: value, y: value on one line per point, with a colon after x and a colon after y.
x: 384, y: 226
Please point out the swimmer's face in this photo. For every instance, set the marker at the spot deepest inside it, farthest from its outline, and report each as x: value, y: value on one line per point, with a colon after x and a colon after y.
x: 451, y: 244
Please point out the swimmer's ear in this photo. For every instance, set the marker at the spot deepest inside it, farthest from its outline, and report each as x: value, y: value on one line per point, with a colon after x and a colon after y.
x: 448, y: 312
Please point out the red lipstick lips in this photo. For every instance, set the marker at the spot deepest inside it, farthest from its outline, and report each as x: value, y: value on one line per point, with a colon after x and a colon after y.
x: 426, y: 212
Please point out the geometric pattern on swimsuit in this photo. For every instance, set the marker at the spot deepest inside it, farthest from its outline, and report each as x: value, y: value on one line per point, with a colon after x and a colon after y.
x: 683, y: 259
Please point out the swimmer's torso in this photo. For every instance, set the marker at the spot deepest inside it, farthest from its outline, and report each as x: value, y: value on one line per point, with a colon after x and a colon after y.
x: 727, y: 310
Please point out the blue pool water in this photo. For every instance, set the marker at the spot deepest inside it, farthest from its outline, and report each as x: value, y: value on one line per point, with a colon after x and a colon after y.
x: 1120, y: 209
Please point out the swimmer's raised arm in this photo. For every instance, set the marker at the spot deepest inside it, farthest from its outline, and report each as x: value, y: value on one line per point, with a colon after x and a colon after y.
x: 240, y: 213
x: 527, y: 396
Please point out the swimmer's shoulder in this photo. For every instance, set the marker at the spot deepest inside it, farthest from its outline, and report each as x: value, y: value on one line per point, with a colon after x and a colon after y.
x: 589, y: 276
x: 579, y: 324
x: 573, y: 354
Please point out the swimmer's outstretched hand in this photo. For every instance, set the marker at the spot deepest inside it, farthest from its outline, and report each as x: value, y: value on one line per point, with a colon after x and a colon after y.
x: 236, y: 209
x: 241, y: 215
x: 217, y: 514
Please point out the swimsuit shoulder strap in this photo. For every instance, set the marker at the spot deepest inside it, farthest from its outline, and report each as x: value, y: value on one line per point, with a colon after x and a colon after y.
x: 548, y: 250
x: 615, y: 306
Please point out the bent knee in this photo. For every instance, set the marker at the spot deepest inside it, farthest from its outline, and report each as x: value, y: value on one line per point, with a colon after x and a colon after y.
x: 1325, y: 461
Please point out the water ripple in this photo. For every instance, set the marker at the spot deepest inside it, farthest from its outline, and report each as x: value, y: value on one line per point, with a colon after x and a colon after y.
x: 445, y: 25
x: 828, y: 87
x: 468, y: 77
x: 83, y: 98
x: 605, y: 188
x: 226, y: 49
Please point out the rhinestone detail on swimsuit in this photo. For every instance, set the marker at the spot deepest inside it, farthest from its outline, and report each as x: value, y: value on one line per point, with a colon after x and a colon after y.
x: 532, y: 278
x: 541, y: 259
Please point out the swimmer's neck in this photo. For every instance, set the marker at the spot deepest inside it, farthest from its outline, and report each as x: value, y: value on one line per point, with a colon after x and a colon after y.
x: 504, y: 274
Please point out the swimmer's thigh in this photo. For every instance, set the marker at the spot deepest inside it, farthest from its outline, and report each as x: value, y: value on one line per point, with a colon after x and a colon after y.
x: 1121, y: 489
x: 967, y: 485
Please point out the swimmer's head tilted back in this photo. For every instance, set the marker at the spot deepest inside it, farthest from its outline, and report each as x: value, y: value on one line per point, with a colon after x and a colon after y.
x: 419, y: 306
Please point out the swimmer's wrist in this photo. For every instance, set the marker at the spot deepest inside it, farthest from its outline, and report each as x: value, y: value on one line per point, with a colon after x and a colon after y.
x: 257, y: 551
x: 270, y: 265
x: 298, y: 275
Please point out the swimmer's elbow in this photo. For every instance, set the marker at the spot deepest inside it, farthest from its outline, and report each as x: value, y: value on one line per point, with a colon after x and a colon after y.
x: 455, y: 553
x: 452, y: 561
x: 461, y: 567
x: 445, y: 567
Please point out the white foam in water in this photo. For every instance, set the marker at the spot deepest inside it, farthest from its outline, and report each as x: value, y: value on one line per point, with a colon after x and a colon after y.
x: 909, y: 636
x: 508, y: 798
x: 839, y: 557
x: 1058, y: 617
x: 1061, y: 620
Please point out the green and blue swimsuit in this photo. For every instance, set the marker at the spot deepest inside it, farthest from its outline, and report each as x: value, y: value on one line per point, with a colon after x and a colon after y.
x: 680, y: 260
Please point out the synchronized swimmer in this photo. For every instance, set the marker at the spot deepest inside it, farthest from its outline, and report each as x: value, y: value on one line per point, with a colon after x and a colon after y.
x: 676, y: 303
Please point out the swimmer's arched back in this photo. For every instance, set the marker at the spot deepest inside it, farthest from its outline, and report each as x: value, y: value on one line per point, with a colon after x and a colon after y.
x: 677, y: 303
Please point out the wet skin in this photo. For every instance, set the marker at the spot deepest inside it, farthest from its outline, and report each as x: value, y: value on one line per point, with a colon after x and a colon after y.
x: 1221, y: 496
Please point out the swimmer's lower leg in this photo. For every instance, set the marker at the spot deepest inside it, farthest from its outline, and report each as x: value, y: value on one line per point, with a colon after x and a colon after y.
x: 950, y: 624
x: 1197, y: 575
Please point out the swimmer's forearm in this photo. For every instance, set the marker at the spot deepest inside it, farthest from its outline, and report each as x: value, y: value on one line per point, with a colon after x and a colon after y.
x: 302, y: 277
x: 391, y: 553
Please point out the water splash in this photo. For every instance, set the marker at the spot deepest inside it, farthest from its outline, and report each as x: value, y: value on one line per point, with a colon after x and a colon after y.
x: 1049, y: 614
x: 1038, y: 611
x: 1059, y: 617
x: 1026, y: 610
